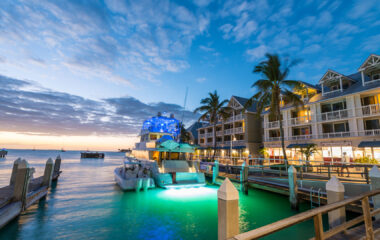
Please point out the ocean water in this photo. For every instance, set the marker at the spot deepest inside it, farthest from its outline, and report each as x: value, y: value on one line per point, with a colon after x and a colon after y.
x: 86, y: 203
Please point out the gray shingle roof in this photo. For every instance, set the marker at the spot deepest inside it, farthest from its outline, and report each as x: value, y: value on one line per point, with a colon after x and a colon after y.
x: 243, y: 101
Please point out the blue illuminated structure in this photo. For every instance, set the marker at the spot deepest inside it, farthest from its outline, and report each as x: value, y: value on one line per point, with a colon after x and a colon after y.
x: 162, y: 124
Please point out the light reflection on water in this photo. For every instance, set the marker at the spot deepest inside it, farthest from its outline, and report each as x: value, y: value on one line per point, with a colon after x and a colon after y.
x: 87, y: 204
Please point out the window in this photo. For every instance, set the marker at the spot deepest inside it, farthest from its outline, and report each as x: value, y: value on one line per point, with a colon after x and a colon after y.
x: 337, y: 127
x: 274, y: 133
x: 368, y: 100
x: 334, y: 87
x: 301, y: 131
x: 372, y: 124
x: 202, y: 131
x: 376, y: 76
x: 334, y: 106
x: 209, y: 140
x: 340, y: 127
x: 327, y: 128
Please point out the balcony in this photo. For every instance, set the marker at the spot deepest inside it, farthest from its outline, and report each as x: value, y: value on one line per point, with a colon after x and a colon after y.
x: 202, y: 135
x: 335, y: 115
x: 235, y: 118
x: 209, y: 134
x: 219, y: 133
x: 337, y: 135
x: 228, y: 131
x: 372, y: 132
x: 274, y: 124
x: 239, y: 130
x: 369, y: 110
x: 302, y: 137
x: 234, y: 143
x: 300, y: 120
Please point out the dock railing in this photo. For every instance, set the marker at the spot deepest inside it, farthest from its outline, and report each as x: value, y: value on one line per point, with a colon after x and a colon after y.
x: 316, y: 215
x: 358, y: 172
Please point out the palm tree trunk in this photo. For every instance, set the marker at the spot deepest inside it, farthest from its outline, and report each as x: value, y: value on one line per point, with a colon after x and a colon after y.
x: 282, y: 136
x: 213, y: 157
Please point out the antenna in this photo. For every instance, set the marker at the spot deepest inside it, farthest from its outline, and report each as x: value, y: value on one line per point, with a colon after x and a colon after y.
x: 183, y: 113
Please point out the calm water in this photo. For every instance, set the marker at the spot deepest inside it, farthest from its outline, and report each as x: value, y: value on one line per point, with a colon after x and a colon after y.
x: 86, y: 204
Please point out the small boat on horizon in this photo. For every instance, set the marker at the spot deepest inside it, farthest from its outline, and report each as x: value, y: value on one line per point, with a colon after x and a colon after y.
x: 3, y: 153
x: 91, y: 155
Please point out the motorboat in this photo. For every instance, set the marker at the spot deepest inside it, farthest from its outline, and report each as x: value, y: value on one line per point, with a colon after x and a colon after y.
x: 135, y: 175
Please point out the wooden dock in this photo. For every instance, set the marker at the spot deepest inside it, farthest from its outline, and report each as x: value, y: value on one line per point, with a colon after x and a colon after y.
x: 24, y: 190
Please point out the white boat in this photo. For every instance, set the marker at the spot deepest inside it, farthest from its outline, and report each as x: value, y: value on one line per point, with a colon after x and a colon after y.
x: 172, y: 166
x: 134, y: 175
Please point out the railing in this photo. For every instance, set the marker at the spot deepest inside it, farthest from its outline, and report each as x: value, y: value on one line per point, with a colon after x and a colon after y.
x: 369, y: 110
x: 300, y: 120
x: 335, y: 115
x: 330, y: 92
x: 274, y: 124
x: 301, y: 137
x: 236, y: 118
x: 228, y: 131
x: 209, y: 134
x: 202, y: 135
x: 338, y: 134
x: 219, y: 133
x: 316, y: 215
x: 371, y: 81
x: 373, y: 132
x: 273, y: 139
x: 239, y: 130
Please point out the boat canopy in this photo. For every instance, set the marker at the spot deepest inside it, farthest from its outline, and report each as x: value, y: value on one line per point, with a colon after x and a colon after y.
x: 173, y: 146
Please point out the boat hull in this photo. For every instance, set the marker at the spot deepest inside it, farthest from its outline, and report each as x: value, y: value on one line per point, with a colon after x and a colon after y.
x: 133, y: 183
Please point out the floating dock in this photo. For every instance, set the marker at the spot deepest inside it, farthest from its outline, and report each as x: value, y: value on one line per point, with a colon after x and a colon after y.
x: 91, y: 155
x: 24, y: 190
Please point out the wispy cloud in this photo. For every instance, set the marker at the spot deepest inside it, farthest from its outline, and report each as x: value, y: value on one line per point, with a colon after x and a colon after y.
x: 28, y: 108
x: 201, y: 79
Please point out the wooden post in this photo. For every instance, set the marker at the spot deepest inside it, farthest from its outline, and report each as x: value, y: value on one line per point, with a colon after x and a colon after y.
x: 57, y: 165
x: 244, y: 178
x: 366, y: 174
x: 228, y: 210
x: 21, y: 183
x: 48, y: 174
x: 215, y: 171
x: 335, y: 193
x: 374, y: 175
x: 14, y: 171
x: 367, y: 219
x: 293, y: 188
x: 318, y: 227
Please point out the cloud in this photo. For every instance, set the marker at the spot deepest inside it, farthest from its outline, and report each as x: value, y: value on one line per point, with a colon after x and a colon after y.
x: 30, y: 109
x: 311, y: 49
x: 257, y: 53
x: 201, y: 80
x: 142, y: 40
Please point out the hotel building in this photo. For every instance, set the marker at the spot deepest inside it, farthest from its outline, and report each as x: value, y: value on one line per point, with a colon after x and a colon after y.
x: 341, y: 115
x: 239, y: 135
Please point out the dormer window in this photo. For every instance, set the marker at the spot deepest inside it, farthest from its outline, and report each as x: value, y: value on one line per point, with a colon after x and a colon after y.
x: 334, y: 82
x: 370, y: 69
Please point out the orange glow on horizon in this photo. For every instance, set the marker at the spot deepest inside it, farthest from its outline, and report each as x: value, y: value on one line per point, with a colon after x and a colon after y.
x: 93, y: 142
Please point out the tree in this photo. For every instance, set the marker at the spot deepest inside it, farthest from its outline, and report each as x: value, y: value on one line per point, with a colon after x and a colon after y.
x: 184, y: 134
x: 273, y: 90
x: 309, y: 150
x: 212, y: 110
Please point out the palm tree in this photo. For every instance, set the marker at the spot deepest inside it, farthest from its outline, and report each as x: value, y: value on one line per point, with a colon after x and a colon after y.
x: 184, y: 134
x: 274, y: 89
x: 212, y: 110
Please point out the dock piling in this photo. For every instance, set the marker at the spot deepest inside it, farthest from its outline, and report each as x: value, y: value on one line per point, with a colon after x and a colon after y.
x: 244, y: 178
x: 228, y: 210
x: 215, y: 171
x: 21, y: 183
x: 14, y: 171
x: 57, y: 165
x: 335, y: 193
x: 374, y: 175
x: 48, y: 174
x: 293, y: 188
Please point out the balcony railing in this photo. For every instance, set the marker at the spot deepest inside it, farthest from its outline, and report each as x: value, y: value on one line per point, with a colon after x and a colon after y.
x: 372, y: 132
x: 300, y: 120
x: 219, y: 133
x: 234, y: 143
x: 235, y: 118
x: 209, y: 134
x: 369, y: 110
x: 202, y: 135
x: 301, y: 137
x: 274, y: 124
x: 228, y: 131
x: 335, y: 115
x: 239, y: 130
x: 338, y: 134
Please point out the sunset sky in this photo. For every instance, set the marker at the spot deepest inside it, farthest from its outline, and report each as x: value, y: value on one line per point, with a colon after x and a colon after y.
x: 85, y: 74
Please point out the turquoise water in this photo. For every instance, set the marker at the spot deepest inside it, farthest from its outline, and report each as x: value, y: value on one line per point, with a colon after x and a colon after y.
x: 87, y: 204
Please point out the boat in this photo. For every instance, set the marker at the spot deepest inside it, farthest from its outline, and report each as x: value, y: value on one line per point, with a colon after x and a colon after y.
x: 172, y: 165
x: 134, y: 175
x: 63, y: 150
x: 91, y: 155
x: 3, y: 153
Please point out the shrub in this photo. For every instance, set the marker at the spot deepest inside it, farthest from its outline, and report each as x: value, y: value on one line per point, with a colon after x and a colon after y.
x: 366, y: 160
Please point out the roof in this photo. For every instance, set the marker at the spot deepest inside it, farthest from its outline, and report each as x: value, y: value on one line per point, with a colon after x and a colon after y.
x: 332, y: 75
x: 371, y: 61
x: 309, y: 85
x: 369, y: 144
x: 242, y: 101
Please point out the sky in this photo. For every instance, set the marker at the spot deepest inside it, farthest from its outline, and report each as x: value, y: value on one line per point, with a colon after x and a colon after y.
x: 85, y: 74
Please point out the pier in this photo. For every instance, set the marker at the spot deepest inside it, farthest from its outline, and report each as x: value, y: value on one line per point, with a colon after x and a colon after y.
x: 24, y: 190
